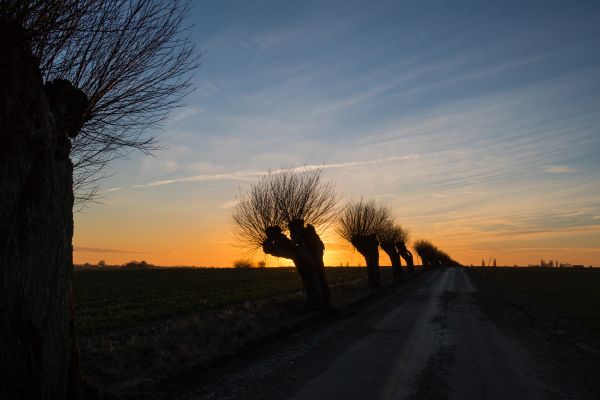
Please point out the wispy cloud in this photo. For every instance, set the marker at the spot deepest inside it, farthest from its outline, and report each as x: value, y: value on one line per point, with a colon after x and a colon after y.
x: 103, y: 250
x: 246, y: 174
x: 561, y: 169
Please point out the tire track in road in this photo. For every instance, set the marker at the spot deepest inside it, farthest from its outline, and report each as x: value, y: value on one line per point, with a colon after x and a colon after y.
x: 438, y: 337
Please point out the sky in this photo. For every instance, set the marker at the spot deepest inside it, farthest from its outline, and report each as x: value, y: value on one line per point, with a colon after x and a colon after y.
x: 477, y: 123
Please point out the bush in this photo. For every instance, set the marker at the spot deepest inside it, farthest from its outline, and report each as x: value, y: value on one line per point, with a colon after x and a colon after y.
x: 243, y: 263
x: 137, y: 264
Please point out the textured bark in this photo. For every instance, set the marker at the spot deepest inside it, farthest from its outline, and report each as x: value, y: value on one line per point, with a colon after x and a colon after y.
x: 303, y: 250
x: 307, y: 236
x: 368, y: 247
x: 392, y: 252
x: 38, y: 350
x: 407, y: 255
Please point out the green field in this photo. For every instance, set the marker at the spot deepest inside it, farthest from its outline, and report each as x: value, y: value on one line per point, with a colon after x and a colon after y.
x: 117, y: 298
x: 572, y: 292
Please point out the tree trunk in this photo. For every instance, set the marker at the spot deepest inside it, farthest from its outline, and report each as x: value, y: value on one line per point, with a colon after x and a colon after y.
x: 368, y: 247
x: 279, y: 245
x: 38, y: 350
x: 407, y: 255
x: 390, y: 250
x: 373, y: 275
x: 311, y: 240
x: 310, y: 279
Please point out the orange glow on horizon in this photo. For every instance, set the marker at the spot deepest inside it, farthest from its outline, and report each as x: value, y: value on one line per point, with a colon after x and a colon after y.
x: 222, y: 252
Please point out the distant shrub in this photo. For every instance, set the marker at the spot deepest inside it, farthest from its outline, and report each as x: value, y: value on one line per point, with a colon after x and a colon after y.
x: 243, y: 263
x: 262, y: 264
x: 102, y: 263
x: 137, y: 264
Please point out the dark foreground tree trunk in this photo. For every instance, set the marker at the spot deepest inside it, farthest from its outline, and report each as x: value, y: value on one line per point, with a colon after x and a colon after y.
x: 38, y: 350
x: 302, y: 250
x: 368, y: 247
x: 307, y: 237
x: 390, y: 250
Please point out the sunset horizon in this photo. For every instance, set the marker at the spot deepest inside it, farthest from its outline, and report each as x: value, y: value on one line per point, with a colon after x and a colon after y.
x: 299, y: 200
x: 478, y: 127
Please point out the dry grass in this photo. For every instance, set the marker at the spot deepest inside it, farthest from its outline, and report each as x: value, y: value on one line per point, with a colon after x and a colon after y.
x: 132, y: 360
x: 572, y: 292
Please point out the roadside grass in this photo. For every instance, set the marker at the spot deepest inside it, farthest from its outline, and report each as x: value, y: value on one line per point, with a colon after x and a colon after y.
x: 572, y: 292
x: 139, y: 328
x: 117, y: 298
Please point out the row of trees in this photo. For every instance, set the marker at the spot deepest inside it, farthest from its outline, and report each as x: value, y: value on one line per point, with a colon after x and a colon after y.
x: 283, y: 210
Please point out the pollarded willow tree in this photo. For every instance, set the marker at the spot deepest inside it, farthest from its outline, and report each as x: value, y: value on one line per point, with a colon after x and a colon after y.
x: 389, y: 235
x: 403, y: 236
x: 82, y: 81
x: 281, y: 214
x: 427, y: 252
x: 433, y: 257
x: 360, y: 223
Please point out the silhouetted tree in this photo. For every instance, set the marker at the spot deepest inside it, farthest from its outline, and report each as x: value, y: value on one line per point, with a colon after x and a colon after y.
x: 361, y: 223
x: 129, y: 57
x: 494, y: 263
x: 280, y: 214
x: 433, y: 257
x: 426, y: 251
x: 402, y: 247
x: 389, y: 235
x: 81, y: 79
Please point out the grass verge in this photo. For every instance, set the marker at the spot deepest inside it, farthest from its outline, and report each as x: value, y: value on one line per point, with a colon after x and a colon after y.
x: 141, y: 327
x: 573, y: 293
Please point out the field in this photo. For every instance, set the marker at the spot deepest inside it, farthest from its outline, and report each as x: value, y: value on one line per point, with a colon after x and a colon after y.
x: 574, y: 293
x: 141, y: 327
x: 116, y: 298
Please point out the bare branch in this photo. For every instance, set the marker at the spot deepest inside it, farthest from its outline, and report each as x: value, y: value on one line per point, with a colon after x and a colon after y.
x: 132, y: 59
x: 279, y: 198
x: 363, y: 218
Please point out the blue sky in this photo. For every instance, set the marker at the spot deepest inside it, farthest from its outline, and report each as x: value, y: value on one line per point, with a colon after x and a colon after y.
x: 478, y: 123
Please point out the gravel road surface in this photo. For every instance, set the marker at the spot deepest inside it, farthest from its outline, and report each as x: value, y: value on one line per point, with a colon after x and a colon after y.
x: 439, y: 336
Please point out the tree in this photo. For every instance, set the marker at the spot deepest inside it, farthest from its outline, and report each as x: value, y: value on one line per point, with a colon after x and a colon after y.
x: 433, y: 257
x: 81, y: 79
x: 402, y: 247
x: 361, y: 223
x: 494, y: 263
x: 280, y: 214
x: 131, y: 59
x: 389, y: 235
x: 427, y: 252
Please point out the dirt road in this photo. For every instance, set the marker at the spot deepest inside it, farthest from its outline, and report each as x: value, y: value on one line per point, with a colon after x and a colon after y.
x: 441, y: 336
